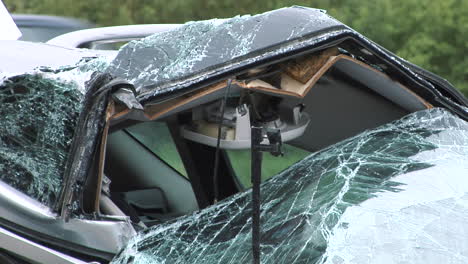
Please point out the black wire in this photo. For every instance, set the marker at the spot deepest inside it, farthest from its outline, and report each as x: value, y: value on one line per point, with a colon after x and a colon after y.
x: 256, y: 172
x: 216, y: 165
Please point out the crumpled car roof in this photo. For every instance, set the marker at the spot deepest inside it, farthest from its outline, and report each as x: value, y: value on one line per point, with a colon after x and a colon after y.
x: 203, y: 52
x: 196, y: 47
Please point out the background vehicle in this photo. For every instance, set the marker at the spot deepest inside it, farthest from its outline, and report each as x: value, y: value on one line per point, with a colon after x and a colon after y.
x: 41, y: 28
x: 108, y: 37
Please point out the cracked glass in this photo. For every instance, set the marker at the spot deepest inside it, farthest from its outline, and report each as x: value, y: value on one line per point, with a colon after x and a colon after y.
x: 394, y: 194
x: 39, y: 115
x: 40, y: 111
x: 189, y: 52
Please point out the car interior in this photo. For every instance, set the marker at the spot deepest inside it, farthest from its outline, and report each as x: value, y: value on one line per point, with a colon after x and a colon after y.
x: 160, y: 163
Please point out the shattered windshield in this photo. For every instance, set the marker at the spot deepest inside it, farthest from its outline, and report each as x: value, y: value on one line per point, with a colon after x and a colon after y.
x: 39, y: 113
x: 199, y: 46
x: 381, y: 196
x: 38, y: 119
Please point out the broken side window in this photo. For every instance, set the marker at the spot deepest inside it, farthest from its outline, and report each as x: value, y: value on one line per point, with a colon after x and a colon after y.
x: 38, y: 118
x: 392, y: 175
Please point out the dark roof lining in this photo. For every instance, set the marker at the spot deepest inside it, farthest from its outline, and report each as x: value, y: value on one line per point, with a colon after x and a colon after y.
x: 339, y: 107
x: 383, y: 85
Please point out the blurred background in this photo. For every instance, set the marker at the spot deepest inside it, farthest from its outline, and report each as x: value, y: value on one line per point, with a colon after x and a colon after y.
x: 430, y: 33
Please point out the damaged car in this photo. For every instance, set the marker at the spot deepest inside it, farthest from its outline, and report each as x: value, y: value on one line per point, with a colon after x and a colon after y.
x: 283, y: 137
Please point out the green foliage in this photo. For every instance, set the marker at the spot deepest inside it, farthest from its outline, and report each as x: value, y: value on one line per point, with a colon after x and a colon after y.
x: 429, y: 33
